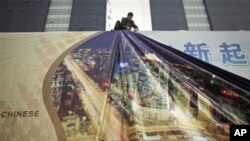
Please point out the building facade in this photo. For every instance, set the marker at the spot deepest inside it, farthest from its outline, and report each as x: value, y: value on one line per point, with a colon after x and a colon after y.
x: 95, y: 15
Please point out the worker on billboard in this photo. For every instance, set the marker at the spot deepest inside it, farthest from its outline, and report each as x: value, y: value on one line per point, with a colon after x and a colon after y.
x: 126, y: 23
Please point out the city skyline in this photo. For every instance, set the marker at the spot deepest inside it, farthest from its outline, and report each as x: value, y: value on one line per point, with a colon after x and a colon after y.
x: 139, y: 96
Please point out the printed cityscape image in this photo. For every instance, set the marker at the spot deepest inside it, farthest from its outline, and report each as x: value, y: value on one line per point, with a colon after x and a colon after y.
x: 125, y: 70
x: 120, y: 86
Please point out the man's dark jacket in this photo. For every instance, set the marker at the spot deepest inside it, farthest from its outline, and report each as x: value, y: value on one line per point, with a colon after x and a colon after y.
x: 124, y: 24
